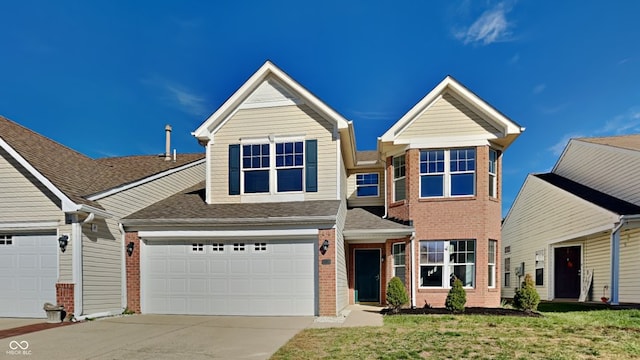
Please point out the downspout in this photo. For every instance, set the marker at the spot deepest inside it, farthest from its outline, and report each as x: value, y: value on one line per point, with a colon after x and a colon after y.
x: 124, y: 266
x: 413, y: 270
x: 386, y: 200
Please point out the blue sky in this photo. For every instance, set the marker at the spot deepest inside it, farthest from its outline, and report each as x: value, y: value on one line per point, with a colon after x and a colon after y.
x: 104, y: 77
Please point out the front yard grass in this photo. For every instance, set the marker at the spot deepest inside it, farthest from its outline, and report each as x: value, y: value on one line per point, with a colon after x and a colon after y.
x: 598, y: 334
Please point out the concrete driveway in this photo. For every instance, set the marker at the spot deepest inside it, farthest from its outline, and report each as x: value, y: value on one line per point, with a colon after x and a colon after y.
x: 159, y: 337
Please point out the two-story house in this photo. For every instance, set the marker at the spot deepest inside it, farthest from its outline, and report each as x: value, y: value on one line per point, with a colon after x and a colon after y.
x: 292, y: 220
x: 282, y: 216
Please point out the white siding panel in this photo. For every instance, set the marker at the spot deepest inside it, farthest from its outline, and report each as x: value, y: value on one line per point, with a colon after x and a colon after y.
x: 447, y: 117
x: 543, y: 214
x: 354, y: 200
x: 129, y: 201
x: 630, y: 266
x: 607, y: 169
x: 279, y: 121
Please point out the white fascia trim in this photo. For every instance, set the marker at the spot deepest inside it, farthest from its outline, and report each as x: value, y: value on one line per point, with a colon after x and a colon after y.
x: 268, y: 104
x: 144, y: 181
x: 580, y: 234
x: 30, y: 225
x: 382, y: 234
x: 92, y: 210
x: 211, y: 234
x: 233, y: 103
x: 67, y: 204
x: 444, y: 142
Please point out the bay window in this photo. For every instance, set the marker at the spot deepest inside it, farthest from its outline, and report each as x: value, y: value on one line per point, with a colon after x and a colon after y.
x: 441, y: 261
x: 492, y: 264
x: 493, y: 166
x: 399, y: 188
x: 399, y: 261
x: 445, y: 173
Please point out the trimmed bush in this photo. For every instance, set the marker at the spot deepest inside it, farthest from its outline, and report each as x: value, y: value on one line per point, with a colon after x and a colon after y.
x: 456, y: 298
x: 396, y: 294
x: 526, y: 297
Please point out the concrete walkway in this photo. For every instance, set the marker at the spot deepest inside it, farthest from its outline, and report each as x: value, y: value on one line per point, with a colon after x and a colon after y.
x: 353, y: 316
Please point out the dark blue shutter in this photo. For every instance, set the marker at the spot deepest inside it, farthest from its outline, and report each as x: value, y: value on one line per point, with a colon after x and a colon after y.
x: 311, y: 166
x: 234, y: 169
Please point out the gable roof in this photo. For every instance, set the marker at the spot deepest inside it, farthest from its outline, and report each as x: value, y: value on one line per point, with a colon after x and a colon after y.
x: 71, y: 175
x: 509, y: 129
x: 629, y: 142
x: 593, y: 196
x: 267, y: 71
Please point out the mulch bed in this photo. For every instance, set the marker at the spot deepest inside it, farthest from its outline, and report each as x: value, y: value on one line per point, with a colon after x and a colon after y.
x: 467, y: 311
x: 31, y: 328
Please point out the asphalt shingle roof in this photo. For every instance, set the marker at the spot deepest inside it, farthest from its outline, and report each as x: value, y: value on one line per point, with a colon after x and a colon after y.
x: 593, y: 196
x: 190, y: 205
x: 369, y: 218
x: 629, y: 142
x: 75, y: 174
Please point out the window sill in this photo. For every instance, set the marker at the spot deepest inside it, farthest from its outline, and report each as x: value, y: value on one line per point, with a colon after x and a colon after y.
x: 441, y: 290
x: 439, y: 199
x: 397, y: 203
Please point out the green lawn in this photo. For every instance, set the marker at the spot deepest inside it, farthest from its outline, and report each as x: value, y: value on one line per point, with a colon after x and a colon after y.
x: 561, y: 334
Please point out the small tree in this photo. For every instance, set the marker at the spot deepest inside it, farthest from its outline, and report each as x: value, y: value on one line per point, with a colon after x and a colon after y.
x: 456, y: 298
x: 396, y: 294
x: 526, y: 297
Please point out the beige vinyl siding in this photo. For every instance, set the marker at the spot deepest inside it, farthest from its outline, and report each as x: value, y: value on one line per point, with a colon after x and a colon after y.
x: 278, y: 121
x: 354, y: 200
x: 447, y: 117
x: 129, y: 201
x: 24, y: 198
x: 65, y: 258
x: 342, y: 285
x: 604, y: 168
x: 630, y: 266
x: 543, y: 214
x: 101, y: 267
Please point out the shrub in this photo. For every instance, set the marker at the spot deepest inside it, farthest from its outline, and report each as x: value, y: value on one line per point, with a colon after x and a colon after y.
x: 456, y: 298
x: 526, y: 297
x: 396, y: 294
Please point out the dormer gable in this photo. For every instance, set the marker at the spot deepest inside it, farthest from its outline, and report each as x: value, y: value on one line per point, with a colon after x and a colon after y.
x: 451, y: 115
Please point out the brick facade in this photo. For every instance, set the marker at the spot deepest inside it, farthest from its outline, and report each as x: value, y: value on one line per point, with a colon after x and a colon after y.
x: 133, y: 272
x: 65, y: 296
x: 327, y: 295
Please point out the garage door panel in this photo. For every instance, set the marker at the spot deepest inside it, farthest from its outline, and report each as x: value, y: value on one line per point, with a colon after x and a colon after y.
x: 229, y: 278
x: 28, y: 274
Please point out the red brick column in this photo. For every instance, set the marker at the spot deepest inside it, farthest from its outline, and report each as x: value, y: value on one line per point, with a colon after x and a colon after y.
x: 327, y: 274
x: 65, y: 296
x: 133, y: 272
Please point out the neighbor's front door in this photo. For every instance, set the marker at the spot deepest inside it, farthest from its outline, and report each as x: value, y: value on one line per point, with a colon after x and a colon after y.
x: 367, y: 271
x: 567, y: 263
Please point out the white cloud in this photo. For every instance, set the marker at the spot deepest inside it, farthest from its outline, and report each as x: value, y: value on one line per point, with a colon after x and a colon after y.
x: 539, y: 88
x: 179, y: 96
x: 557, y: 148
x: 514, y: 59
x: 372, y: 115
x: 492, y: 26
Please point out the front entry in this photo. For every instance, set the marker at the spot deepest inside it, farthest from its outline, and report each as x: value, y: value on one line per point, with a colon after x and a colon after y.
x: 367, y: 271
x: 567, y: 263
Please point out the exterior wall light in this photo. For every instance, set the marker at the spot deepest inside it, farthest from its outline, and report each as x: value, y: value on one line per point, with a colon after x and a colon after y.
x: 63, y: 241
x: 324, y: 247
x: 130, y: 247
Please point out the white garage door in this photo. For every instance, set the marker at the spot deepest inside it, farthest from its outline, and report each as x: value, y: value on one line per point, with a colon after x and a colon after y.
x: 28, y: 274
x: 228, y: 277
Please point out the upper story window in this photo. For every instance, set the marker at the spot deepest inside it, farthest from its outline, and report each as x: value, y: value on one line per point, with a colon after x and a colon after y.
x: 399, y: 183
x: 446, y: 173
x: 493, y: 170
x: 367, y: 184
x: 255, y: 167
x: 289, y: 166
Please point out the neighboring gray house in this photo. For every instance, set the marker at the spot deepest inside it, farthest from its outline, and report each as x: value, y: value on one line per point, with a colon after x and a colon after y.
x: 580, y: 222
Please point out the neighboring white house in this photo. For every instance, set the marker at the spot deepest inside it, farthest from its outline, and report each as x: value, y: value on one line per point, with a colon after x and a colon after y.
x: 580, y: 222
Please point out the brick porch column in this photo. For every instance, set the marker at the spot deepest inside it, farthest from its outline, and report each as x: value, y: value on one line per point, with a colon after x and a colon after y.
x: 133, y: 272
x: 327, y: 273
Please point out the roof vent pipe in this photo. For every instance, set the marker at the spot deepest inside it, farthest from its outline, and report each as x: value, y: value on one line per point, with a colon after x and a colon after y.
x: 167, y: 152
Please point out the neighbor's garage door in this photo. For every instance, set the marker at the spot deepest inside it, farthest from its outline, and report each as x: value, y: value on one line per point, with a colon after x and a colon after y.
x: 28, y: 274
x: 228, y: 278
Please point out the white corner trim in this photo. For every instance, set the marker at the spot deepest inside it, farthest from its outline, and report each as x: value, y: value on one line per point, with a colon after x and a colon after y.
x: 194, y: 234
x: 157, y: 176
x: 67, y: 204
x: 76, y: 266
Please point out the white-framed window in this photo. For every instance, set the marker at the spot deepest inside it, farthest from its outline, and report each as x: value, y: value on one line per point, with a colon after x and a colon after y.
x: 540, y: 268
x: 197, y: 247
x: 6, y: 240
x: 259, y: 247
x: 445, y: 173
x: 491, y: 271
x: 507, y: 272
x: 238, y: 247
x: 281, y: 162
x: 442, y: 260
x: 493, y: 171
x: 399, y: 269
x: 399, y: 181
x: 217, y: 247
x: 367, y: 185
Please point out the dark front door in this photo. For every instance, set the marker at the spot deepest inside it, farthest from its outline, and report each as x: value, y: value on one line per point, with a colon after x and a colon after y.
x: 567, y: 272
x: 367, y: 269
